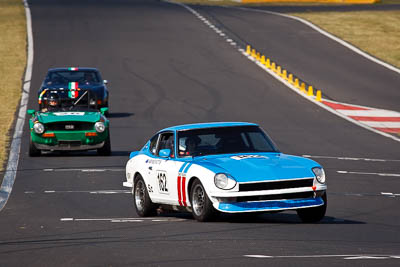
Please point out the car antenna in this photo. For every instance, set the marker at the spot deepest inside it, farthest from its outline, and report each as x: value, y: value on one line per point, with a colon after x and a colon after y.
x: 80, y: 98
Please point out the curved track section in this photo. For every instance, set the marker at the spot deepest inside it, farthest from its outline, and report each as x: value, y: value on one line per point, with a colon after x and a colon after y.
x: 339, y: 72
x: 165, y: 67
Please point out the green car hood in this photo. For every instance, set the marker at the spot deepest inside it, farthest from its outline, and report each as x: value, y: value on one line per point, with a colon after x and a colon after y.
x: 49, y: 117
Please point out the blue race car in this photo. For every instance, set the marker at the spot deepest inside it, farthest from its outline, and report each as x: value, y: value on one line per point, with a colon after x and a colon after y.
x: 73, y: 82
x: 229, y: 167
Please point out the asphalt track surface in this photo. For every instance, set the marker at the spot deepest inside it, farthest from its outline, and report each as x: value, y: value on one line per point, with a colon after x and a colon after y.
x: 166, y: 67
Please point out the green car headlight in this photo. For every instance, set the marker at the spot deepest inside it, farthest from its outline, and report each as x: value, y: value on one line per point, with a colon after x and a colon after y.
x: 38, y: 128
x: 99, y: 126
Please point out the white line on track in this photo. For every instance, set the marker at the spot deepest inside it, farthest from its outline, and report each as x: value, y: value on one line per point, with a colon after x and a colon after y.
x: 83, y: 170
x: 344, y: 257
x: 101, y: 192
x: 13, y: 158
x: 382, y: 194
x: 111, y: 192
x: 371, y: 173
x: 352, y: 158
x: 388, y: 194
x: 122, y: 220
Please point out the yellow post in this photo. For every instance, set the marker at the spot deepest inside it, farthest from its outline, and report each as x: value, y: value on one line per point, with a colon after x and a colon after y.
x: 253, y: 53
x: 290, y: 78
x: 273, y: 66
x: 248, y: 50
x: 284, y: 74
x: 296, y: 83
x: 319, y: 96
x: 268, y: 63
x: 278, y: 70
x: 258, y: 56
x: 303, y: 87
x: 310, y: 91
x: 263, y: 59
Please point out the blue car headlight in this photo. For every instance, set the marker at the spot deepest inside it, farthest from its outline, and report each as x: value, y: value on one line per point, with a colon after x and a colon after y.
x: 224, y: 181
x: 319, y: 174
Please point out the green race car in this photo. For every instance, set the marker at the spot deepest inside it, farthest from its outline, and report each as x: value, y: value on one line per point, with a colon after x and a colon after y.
x: 68, y: 124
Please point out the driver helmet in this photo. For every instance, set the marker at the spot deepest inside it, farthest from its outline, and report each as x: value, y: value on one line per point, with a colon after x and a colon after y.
x: 53, y: 100
x: 191, y: 143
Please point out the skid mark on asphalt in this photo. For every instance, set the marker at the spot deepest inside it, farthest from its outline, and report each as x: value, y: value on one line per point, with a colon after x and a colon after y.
x: 343, y: 257
x: 122, y: 220
x: 351, y: 158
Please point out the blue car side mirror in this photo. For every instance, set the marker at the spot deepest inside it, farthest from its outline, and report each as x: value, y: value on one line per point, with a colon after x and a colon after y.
x: 30, y: 111
x: 165, y: 153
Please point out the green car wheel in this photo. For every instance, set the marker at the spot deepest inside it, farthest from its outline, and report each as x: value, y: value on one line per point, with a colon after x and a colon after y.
x: 33, y: 151
x: 106, y: 149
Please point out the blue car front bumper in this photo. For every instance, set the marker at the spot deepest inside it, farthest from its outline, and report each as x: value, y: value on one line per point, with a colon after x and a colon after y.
x: 270, y: 205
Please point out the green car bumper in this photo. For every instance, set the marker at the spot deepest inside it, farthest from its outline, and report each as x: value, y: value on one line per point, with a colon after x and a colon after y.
x: 77, y: 140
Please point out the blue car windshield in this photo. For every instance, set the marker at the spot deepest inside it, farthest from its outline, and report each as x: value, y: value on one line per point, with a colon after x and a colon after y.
x: 66, y: 77
x: 224, y: 140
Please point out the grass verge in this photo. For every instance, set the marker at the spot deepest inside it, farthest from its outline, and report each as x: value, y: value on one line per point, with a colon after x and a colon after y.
x: 12, y: 66
x: 235, y: 3
x: 375, y: 32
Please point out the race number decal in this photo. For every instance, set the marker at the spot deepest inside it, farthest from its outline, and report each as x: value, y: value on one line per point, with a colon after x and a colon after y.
x: 240, y: 157
x: 72, y: 113
x: 162, y: 182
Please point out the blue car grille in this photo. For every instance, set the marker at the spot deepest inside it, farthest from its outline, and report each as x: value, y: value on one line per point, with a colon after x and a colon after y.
x: 276, y: 185
x: 276, y: 197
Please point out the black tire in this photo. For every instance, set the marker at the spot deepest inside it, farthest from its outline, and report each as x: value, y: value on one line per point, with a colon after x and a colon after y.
x: 107, y: 113
x: 313, y: 215
x: 106, y: 149
x: 202, y: 208
x: 33, y: 151
x: 141, y: 200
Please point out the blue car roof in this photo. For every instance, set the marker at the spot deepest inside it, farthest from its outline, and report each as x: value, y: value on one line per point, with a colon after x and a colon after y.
x: 207, y: 125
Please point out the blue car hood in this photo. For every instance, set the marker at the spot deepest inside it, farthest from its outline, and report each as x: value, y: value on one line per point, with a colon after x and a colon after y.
x: 259, y: 167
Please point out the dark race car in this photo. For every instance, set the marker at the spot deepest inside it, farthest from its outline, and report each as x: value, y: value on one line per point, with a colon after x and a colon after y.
x: 76, y: 80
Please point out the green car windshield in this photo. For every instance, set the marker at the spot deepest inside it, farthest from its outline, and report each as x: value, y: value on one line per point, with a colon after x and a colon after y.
x: 53, y: 102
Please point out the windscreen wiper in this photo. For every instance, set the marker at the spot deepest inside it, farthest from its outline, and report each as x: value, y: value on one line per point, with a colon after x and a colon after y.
x: 79, y: 99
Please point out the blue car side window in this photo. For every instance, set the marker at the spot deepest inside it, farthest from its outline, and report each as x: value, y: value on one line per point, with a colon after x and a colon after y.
x: 167, y: 142
x: 153, y: 144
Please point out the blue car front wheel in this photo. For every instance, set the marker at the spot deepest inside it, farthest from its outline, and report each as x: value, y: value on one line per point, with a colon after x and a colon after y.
x: 202, y: 208
x: 313, y: 215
